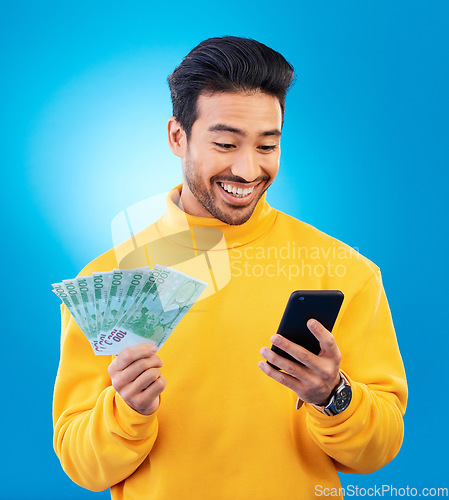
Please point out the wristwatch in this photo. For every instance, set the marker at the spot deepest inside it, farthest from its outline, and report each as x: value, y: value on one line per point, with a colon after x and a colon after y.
x: 339, y: 400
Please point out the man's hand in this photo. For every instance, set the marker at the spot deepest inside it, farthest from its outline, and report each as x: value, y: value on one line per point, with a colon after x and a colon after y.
x: 136, y: 376
x: 314, y: 382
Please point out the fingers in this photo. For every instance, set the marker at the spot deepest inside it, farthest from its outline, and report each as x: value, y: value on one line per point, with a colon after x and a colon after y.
x: 324, y: 336
x: 135, y: 374
x: 132, y: 371
x: 128, y: 356
x: 296, y: 351
x: 310, y: 385
x: 286, y: 365
x: 306, y: 383
x: 314, y: 379
x: 127, y: 385
x: 329, y: 348
x: 282, y: 377
x: 145, y: 401
x: 325, y: 365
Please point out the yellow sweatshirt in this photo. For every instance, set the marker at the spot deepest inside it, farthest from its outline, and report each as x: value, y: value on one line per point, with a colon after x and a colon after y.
x: 225, y: 430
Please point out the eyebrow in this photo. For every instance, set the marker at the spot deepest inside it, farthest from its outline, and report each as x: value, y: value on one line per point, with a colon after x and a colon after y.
x: 222, y: 127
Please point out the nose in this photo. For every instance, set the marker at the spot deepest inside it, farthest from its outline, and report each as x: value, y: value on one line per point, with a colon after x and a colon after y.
x: 246, y: 165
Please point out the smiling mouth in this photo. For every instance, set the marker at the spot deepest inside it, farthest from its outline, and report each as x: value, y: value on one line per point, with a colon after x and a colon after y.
x: 235, y: 191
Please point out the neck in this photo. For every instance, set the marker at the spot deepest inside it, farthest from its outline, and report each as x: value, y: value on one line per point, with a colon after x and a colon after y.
x: 199, y: 232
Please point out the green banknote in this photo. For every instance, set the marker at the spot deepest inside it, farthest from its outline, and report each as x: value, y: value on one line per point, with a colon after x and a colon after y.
x: 121, y: 287
x: 114, y: 300
x: 72, y: 302
x: 123, y: 308
x: 143, y: 321
x: 132, y: 283
x: 102, y: 285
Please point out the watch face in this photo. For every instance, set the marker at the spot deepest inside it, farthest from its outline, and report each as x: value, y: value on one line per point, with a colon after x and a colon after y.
x: 343, y: 398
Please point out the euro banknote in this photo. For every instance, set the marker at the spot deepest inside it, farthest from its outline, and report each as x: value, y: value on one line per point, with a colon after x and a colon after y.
x: 127, y: 307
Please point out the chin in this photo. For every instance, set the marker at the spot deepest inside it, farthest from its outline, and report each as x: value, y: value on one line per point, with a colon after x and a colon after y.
x: 234, y: 216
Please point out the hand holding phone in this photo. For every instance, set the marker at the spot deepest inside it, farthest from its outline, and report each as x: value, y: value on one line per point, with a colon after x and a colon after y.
x: 322, y: 305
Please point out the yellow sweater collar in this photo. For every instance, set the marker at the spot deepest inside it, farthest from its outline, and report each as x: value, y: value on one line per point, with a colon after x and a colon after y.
x: 201, y: 232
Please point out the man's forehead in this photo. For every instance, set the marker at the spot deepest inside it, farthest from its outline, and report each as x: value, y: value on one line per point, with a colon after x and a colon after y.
x: 234, y: 112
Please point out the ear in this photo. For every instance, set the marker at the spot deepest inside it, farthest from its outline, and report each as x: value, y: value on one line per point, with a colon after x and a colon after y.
x: 177, y: 139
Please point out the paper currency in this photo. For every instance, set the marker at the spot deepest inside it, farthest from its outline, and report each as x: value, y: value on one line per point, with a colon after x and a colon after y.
x: 123, y: 308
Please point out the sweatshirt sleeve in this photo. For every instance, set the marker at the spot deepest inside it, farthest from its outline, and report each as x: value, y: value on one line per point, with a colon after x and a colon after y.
x: 98, y: 438
x: 369, y: 433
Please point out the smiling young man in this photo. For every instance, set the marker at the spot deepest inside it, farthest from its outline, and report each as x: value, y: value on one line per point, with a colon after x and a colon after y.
x: 199, y: 419
x: 232, y: 155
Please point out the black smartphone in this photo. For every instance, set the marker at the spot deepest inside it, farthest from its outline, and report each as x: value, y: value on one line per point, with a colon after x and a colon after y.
x: 322, y: 305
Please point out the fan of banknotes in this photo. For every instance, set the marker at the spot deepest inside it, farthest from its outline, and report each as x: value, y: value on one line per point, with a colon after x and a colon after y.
x: 124, y: 308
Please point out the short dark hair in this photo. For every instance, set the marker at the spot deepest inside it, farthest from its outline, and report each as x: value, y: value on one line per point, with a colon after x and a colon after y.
x: 227, y: 64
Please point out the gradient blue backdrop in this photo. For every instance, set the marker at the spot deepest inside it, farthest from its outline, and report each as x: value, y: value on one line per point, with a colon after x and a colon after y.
x: 83, y: 108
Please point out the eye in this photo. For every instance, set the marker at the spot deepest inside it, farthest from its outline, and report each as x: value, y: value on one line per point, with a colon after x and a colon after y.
x: 224, y: 146
x: 268, y: 148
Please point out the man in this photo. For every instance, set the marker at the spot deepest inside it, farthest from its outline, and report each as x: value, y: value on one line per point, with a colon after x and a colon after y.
x: 198, y: 419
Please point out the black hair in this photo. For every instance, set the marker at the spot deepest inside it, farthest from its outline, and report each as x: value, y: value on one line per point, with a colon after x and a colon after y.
x: 227, y: 64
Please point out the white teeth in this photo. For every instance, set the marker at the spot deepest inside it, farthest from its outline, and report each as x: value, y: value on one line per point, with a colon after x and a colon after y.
x: 237, y: 192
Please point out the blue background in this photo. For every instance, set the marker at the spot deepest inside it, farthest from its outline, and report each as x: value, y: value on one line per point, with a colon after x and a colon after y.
x: 83, y: 110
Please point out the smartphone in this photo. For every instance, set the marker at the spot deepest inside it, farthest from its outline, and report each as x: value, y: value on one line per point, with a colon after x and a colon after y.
x: 322, y: 305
